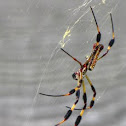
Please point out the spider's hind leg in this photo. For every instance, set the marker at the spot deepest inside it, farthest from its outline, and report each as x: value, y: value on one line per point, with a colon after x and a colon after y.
x: 94, y: 95
x: 84, y: 107
x: 69, y: 112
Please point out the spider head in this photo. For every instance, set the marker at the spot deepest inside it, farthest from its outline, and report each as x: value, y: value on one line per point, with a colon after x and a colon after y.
x: 74, y: 75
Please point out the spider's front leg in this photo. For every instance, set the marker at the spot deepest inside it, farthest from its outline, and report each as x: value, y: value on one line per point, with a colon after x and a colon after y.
x: 98, y: 38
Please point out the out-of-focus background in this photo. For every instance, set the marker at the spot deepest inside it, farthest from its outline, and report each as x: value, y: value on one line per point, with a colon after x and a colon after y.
x: 31, y: 61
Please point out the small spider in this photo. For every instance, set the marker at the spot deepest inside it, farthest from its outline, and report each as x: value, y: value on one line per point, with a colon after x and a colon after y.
x: 81, y: 73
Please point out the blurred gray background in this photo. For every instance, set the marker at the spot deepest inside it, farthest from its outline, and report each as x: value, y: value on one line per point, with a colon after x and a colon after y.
x: 31, y: 61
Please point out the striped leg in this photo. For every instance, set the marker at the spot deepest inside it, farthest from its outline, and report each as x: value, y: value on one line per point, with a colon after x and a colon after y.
x: 94, y: 95
x: 70, y: 92
x: 69, y: 112
x: 84, y: 107
x: 111, y: 41
x: 98, y: 38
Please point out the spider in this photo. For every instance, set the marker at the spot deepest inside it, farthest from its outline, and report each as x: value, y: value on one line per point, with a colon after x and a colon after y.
x: 81, y: 74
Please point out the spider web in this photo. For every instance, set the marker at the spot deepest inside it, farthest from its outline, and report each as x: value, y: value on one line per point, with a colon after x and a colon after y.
x: 80, y: 17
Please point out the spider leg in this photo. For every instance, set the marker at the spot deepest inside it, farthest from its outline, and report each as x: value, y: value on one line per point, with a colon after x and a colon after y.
x: 111, y: 41
x: 84, y: 107
x: 94, y: 95
x: 70, y: 93
x: 72, y: 57
x: 75, y: 108
x: 98, y: 38
x: 69, y: 112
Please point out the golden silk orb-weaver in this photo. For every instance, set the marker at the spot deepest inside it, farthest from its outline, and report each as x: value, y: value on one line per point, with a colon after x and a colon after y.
x: 82, y: 73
